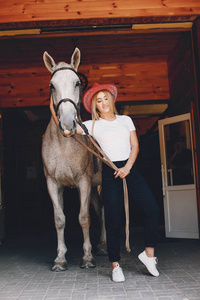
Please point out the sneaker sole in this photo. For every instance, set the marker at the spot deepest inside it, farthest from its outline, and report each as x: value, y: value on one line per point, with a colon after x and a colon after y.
x: 118, y: 281
x: 140, y: 258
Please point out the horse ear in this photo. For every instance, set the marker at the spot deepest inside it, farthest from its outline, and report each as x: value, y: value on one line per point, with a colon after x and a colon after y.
x: 49, y: 62
x: 75, y: 59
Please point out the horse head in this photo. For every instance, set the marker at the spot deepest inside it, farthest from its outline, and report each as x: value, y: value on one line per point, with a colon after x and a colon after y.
x: 65, y: 88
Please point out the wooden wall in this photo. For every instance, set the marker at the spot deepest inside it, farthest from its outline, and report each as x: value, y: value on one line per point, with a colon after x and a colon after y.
x: 196, y: 45
x: 137, y: 65
x: 140, y: 81
x: 181, y: 77
x: 2, y: 220
x: 92, y: 12
x: 183, y: 91
x: 196, y: 104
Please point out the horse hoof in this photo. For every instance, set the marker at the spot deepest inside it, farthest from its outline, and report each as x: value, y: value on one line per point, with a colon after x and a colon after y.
x: 101, y: 250
x: 87, y: 264
x: 59, y: 267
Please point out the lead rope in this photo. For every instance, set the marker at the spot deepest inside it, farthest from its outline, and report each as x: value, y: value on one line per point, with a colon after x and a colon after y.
x: 110, y: 164
x: 113, y: 166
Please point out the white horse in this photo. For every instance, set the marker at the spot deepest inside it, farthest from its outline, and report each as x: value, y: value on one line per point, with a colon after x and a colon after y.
x: 66, y: 162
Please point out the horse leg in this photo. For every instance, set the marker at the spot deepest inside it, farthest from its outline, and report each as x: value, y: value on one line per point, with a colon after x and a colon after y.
x: 84, y: 220
x: 56, y: 194
x: 99, y: 209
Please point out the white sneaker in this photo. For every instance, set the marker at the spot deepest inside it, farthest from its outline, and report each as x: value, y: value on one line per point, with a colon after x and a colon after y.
x: 117, y: 274
x: 150, y: 263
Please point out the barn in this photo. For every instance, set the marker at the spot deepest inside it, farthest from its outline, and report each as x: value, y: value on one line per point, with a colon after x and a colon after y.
x: 150, y: 50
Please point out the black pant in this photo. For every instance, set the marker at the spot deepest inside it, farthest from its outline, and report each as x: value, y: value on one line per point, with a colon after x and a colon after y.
x: 113, y: 199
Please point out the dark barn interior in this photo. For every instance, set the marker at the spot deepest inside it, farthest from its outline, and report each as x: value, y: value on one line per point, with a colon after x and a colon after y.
x: 145, y: 68
x: 150, y: 50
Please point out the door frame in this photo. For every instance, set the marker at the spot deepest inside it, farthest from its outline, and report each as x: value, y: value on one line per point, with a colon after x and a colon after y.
x: 169, y: 190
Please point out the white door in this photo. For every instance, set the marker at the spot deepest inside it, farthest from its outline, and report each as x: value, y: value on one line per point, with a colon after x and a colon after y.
x: 178, y: 177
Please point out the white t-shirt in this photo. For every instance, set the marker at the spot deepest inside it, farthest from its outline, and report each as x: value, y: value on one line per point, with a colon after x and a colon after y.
x: 113, y: 136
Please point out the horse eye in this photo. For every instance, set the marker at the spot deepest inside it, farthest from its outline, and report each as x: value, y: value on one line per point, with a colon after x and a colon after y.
x: 78, y: 83
x: 51, y: 86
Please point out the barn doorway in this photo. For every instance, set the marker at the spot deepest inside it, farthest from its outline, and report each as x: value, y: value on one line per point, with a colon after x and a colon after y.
x: 150, y: 84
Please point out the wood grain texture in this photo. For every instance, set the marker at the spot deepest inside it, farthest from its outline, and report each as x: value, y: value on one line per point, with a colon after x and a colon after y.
x: 140, y: 81
x: 135, y: 63
x: 28, y: 10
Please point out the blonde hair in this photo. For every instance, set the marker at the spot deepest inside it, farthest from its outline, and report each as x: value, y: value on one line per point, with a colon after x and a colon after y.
x: 94, y: 111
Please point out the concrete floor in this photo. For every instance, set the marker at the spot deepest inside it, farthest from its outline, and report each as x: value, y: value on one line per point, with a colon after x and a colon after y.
x: 26, y: 260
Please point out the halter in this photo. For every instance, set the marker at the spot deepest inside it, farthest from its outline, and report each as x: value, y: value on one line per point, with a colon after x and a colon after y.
x: 64, y: 100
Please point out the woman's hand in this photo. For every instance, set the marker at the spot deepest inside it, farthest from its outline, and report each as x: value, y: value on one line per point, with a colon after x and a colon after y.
x: 122, y: 172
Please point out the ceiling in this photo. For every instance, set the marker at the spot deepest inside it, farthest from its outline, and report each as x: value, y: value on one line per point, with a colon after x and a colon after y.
x: 109, y: 47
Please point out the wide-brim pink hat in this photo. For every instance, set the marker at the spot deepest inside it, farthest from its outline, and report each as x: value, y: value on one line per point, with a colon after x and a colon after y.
x: 87, y: 97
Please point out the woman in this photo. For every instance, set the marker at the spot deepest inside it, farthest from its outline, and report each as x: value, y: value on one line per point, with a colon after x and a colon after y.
x: 117, y: 137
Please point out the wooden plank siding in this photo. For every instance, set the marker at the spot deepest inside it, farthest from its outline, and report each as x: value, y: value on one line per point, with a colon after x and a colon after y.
x: 195, y: 111
x: 49, y: 10
x: 141, y: 81
x: 181, y: 77
x: 136, y: 64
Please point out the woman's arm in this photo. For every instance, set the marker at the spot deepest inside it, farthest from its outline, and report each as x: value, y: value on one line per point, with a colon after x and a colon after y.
x: 134, y: 150
x: 123, y: 172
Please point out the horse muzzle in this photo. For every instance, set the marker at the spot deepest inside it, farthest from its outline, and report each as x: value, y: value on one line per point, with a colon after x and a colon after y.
x: 72, y: 130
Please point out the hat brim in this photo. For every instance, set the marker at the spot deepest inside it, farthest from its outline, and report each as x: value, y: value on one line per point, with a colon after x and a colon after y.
x: 87, y: 97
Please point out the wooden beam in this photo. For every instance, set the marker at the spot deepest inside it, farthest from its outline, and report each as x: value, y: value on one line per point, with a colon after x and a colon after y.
x: 14, y: 11
x: 22, y: 32
x: 181, y: 25
x: 133, y: 29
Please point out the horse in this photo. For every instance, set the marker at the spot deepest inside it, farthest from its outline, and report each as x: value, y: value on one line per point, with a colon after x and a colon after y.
x: 66, y: 162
